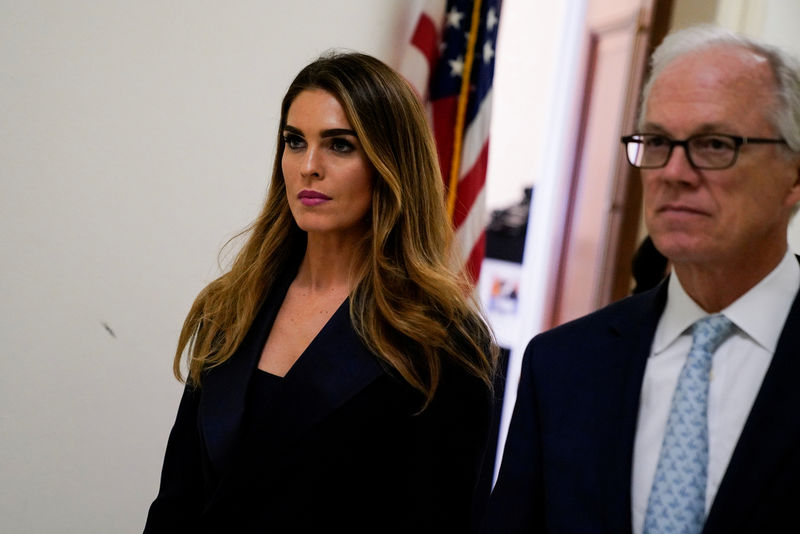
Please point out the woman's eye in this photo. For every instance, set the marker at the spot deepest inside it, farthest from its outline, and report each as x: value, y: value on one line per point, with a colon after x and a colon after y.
x: 293, y: 141
x: 341, y: 145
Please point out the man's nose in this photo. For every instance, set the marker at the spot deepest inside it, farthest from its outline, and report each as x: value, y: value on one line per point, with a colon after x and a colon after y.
x: 678, y: 167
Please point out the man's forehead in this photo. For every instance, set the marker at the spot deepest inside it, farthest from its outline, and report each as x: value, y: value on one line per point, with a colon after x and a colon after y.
x: 713, y: 90
x: 721, y: 64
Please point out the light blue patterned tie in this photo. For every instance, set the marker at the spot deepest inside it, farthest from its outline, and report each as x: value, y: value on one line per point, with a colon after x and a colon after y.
x: 678, y: 496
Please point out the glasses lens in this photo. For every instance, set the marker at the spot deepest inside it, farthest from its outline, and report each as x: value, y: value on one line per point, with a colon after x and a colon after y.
x: 712, y: 151
x: 648, y: 151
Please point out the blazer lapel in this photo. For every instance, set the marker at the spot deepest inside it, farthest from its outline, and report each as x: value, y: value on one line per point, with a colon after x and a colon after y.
x: 632, y: 331
x: 224, y: 390
x: 771, y: 431
x: 332, y: 369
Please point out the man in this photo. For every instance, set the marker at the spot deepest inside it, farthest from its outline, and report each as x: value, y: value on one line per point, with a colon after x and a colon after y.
x: 626, y: 420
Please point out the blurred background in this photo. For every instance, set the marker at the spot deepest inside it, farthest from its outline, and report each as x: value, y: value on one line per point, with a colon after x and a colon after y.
x: 137, y: 137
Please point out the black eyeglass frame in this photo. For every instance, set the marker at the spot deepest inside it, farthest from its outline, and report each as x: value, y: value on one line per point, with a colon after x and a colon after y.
x: 737, y: 142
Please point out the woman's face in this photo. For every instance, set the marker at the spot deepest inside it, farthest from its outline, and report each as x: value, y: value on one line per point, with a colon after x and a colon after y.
x: 328, y: 176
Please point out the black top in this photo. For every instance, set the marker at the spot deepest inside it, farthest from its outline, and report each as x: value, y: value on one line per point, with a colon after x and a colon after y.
x: 263, y: 395
x: 337, y: 445
x: 264, y: 391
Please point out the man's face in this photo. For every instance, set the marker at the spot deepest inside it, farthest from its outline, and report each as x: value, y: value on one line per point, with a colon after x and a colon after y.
x: 721, y: 217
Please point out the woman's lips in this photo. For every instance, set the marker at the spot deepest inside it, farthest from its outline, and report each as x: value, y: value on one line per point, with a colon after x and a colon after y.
x: 312, y: 198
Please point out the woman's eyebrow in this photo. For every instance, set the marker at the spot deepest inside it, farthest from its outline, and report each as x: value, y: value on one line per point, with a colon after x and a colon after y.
x: 332, y: 132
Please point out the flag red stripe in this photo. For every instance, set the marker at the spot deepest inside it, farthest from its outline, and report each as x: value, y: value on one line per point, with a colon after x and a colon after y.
x: 426, y: 40
x: 438, y: 62
x: 473, y: 266
x: 444, y: 115
x: 470, y: 186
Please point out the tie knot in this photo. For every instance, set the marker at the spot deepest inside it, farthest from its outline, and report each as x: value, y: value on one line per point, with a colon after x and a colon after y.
x: 709, y: 332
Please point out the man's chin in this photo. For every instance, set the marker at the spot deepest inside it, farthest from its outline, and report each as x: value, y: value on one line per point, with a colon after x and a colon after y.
x: 682, y: 248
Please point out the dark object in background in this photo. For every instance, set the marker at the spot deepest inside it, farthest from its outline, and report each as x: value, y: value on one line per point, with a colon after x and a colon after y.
x: 648, y: 266
x: 505, y: 233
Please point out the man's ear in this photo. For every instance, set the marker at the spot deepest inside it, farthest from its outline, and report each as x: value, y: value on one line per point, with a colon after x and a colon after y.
x: 793, y: 198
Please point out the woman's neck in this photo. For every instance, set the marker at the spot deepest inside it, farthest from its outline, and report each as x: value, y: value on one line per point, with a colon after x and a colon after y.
x: 327, y: 266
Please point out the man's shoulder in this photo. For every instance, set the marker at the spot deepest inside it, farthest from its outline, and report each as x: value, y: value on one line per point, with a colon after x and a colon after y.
x: 629, y: 308
x: 596, y: 346
x: 635, y: 315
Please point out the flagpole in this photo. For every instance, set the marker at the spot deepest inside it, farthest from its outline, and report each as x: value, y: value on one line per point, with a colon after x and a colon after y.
x: 463, y: 98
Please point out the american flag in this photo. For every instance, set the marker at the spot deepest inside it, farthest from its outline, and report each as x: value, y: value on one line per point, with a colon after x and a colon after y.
x: 451, y: 64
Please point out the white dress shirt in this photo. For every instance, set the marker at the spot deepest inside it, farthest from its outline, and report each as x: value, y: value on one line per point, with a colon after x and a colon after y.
x: 738, y: 369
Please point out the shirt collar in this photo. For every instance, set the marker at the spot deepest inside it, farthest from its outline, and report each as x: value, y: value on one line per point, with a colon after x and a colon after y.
x: 775, y: 292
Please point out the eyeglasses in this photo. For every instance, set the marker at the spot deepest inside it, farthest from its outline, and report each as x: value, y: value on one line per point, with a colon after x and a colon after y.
x: 704, y: 151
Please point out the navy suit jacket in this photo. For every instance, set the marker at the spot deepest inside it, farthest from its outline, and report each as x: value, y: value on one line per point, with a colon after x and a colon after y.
x: 347, y: 452
x: 568, y: 455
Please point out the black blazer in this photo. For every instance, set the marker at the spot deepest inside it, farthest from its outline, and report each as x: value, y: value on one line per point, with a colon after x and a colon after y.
x: 568, y: 456
x: 349, y: 453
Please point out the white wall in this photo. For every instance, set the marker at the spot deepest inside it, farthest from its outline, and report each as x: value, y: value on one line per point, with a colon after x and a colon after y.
x: 523, y: 82
x: 135, y: 138
x: 536, y: 83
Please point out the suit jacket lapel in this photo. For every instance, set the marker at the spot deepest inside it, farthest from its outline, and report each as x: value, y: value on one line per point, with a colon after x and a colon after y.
x: 332, y: 369
x: 633, y: 330
x: 222, y: 400
x: 770, y: 432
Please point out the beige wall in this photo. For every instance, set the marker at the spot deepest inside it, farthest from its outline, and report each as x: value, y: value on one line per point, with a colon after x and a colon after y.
x: 135, y: 138
x: 688, y: 12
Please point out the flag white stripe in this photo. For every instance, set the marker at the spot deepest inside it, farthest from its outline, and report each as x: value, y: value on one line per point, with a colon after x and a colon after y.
x: 472, y: 226
x: 476, y: 135
x: 416, y: 70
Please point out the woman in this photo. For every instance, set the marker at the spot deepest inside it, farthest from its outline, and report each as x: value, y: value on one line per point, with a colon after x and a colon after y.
x: 339, y: 374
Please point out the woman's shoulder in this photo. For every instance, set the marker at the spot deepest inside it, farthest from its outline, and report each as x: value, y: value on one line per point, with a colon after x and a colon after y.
x: 458, y: 386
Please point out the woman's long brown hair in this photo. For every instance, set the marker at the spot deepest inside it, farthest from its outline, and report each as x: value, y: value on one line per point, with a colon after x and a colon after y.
x: 409, y: 305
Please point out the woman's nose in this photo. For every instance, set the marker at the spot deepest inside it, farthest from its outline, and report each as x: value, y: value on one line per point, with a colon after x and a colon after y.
x: 311, y: 165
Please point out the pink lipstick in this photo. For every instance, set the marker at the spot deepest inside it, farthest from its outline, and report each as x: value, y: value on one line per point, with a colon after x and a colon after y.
x: 309, y: 197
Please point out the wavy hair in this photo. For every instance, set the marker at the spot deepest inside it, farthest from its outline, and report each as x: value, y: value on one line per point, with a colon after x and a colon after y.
x: 409, y: 304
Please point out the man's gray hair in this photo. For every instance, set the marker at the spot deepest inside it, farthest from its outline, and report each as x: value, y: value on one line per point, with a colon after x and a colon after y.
x: 786, y: 69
